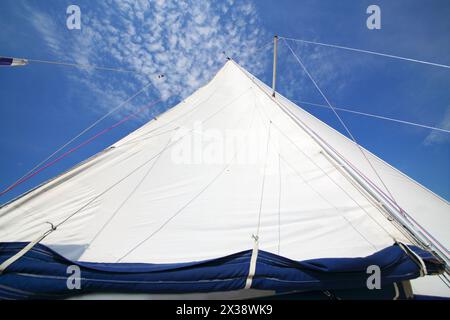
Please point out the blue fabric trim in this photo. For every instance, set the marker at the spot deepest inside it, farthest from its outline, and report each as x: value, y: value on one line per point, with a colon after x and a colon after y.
x: 281, y: 274
x: 42, y: 273
x: 5, y: 61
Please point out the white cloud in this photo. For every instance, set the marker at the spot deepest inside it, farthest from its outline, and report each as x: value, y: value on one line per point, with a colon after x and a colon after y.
x: 183, y: 40
x: 437, y: 137
x: 329, y: 68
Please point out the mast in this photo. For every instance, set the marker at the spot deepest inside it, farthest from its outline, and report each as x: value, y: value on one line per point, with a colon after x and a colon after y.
x: 274, y: 78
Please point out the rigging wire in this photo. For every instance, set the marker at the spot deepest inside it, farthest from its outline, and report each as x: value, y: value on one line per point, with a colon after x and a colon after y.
x: 96, y: 122
x: 263, y: 179
x: 18, y: 181
x: 369, y: 52
x: 341, y: 121
x: 78, y: 65
x: 325, y: 173
x: 374, y: 116
x: 334, y: 206
x: 5, y: 264
x: 391, y: 198
x: 64, y: 155
x: 153, y: 157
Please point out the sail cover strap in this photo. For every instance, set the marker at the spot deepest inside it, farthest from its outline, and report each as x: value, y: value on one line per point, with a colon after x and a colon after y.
x: 416, y: 258
x: 253, y: 259
x: 42, y: 273
x: 5, y: 264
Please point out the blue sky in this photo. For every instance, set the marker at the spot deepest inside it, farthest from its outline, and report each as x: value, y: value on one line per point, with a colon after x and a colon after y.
x: 42, y: 106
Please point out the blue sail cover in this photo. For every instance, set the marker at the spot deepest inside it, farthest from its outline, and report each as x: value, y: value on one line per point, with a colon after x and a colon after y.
x: 43, y: 274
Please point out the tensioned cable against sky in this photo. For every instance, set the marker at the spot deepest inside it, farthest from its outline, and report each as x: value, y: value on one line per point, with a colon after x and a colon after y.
x: 82, y: 132
x: 373, y: 116
x: 68, y: 64
x: 369, y: 52
x: 189, y: 226
x: 340, y: 120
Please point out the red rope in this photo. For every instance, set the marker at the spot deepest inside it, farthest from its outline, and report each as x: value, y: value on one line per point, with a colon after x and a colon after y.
x: 64, y: 155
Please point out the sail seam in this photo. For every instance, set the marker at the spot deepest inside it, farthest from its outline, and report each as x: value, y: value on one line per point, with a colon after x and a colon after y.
x: 341, y: 121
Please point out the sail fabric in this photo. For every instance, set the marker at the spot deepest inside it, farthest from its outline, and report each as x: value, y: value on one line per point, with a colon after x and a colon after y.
x: 162, y: 195
x: 43, y: 274
x: 204, y: 179
x: 428, y: 211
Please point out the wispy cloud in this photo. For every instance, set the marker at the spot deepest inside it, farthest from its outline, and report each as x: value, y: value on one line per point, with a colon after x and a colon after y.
x: 327, y: 67
x: 436, y: 137
x: 184, y: 40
